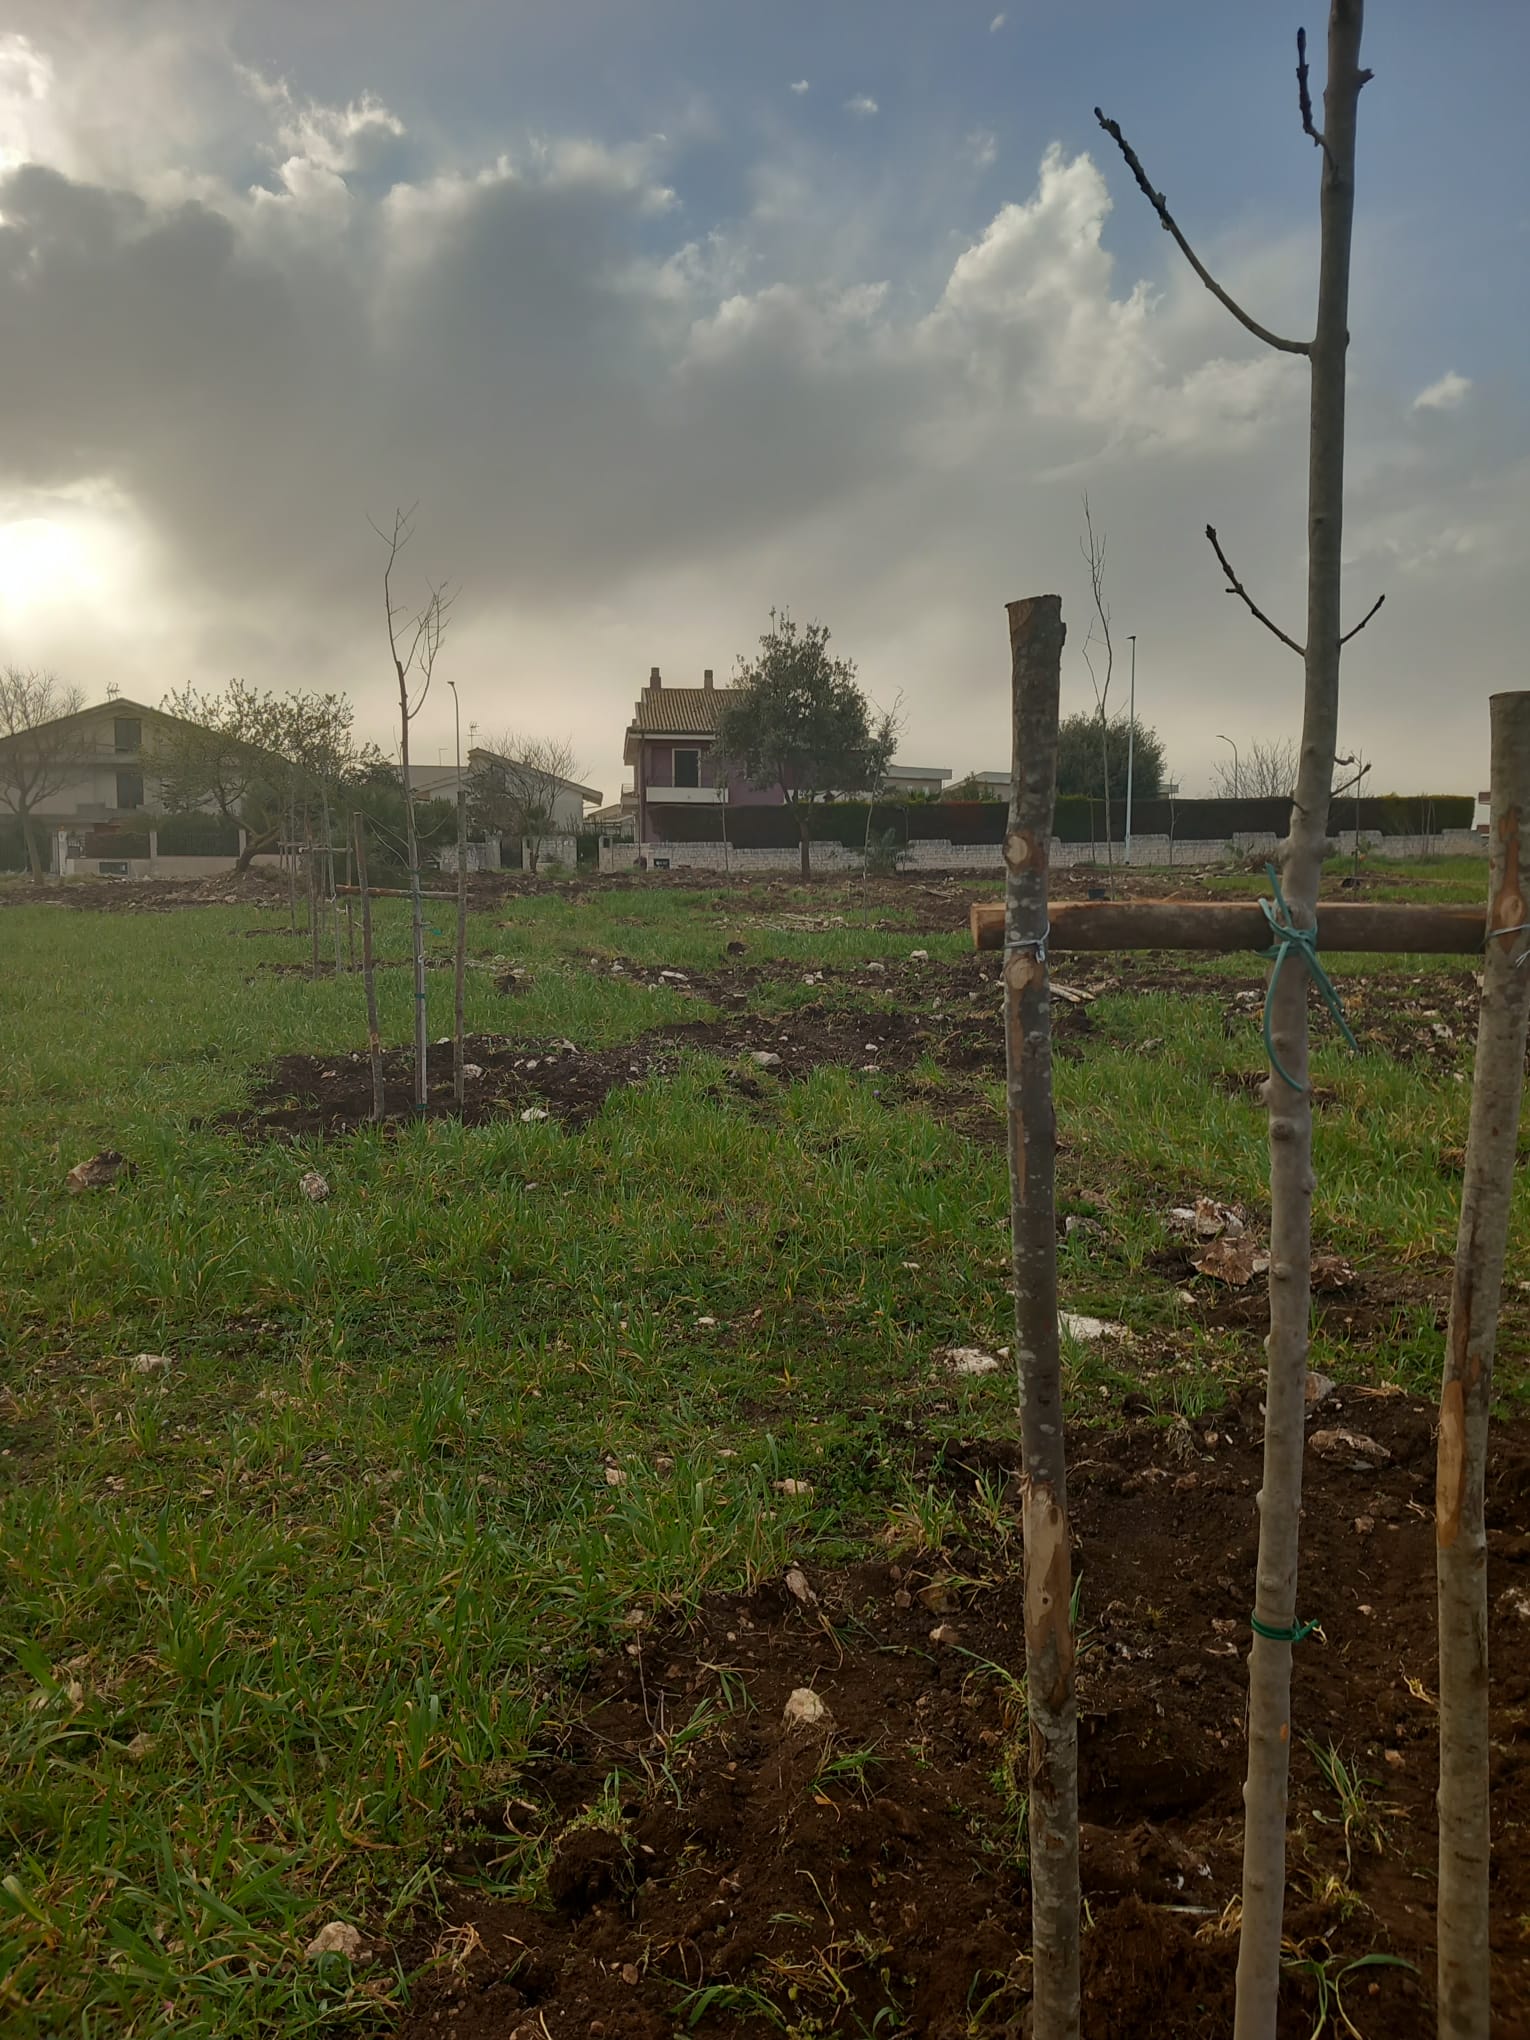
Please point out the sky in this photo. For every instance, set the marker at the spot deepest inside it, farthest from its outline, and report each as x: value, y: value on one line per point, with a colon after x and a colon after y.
x: 662, y: 313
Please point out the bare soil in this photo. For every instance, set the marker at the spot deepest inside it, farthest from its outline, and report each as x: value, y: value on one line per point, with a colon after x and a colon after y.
x: 762, y: 1879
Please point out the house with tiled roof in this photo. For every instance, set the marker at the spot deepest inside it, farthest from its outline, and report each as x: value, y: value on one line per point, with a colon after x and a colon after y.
x: 671, y: 747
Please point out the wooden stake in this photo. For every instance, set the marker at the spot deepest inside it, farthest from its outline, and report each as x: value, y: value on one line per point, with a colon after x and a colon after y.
x: 1225, y: 925
x: 459, y: 1081
x: 1466, y: 1393
x: 1036, y: 635
x: 368, y: 969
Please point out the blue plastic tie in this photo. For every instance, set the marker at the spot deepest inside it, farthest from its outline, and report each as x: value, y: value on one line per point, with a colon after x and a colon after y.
x: 1303, y: 942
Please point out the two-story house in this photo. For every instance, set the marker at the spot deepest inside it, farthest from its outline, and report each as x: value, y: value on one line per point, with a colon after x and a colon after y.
x: 671, y: 747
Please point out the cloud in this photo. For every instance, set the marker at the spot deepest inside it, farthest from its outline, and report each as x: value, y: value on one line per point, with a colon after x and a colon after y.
x: 982, y: 146
x: 1448, y: 394
x: 863, y: 106
x: 997, y: 23
x: 631, y: 424
x: 800, y: 86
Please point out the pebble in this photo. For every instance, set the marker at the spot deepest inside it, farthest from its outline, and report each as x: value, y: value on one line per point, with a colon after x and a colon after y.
x: 804, y: 1709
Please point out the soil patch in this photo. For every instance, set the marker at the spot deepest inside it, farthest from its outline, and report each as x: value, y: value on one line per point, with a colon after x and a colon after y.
x: 307, y: 1095
x: 701, y: 1866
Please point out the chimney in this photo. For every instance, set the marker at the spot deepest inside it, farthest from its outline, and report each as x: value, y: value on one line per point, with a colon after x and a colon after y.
x: 653, y: 679
x: 706, y: 679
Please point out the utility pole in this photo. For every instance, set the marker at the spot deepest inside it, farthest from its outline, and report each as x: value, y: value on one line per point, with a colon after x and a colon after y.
x: 1234, y: 749
x: 1131, y: 745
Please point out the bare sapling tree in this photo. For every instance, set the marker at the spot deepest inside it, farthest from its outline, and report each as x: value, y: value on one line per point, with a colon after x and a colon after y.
x: 369, y: 967
x: 1294, y: 921
x: 415, y: 638
x: 1463, y: 1982
x: 1036, y: 635
x: 1263, y: 771
x: 42, y: 747
x: 1092, y: 546
x: 459, y: 979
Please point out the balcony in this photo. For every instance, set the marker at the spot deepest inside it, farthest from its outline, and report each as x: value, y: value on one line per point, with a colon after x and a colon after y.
x: 686, y: 796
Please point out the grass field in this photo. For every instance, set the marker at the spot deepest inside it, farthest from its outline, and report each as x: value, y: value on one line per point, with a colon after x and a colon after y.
x: 280, y: 1617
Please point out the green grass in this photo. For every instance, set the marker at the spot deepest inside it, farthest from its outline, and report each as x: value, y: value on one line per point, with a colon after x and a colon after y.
x: 278, y: 1620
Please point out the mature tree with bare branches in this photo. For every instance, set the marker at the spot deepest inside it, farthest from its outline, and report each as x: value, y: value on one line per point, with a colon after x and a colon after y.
x: 516, y: 785
x: 1294, y: 919
x: 415, y: 638
x: 41, y: 748
x: 1262, y: 771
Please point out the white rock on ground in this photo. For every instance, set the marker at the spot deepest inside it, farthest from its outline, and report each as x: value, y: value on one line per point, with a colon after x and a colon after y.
x: 151, y: 1363
x: 969, y: 1360
x: 804, y: 1709
x: 338, y: 1938
x: 1078, y: 1325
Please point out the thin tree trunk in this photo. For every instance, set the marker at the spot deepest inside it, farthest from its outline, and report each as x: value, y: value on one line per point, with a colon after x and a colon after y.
x: 1290, y: 1104
x: 416, y: 910
x: 369, y: 969
x: 459, y: 990
x: 1036, y: 640
x: 253, y: 846
x: 34, y: 855
x: 1105, y: 782
x: 313, y: 898
x: 291, y: 865
x: 1460, y: 1535
x: 331, y: 898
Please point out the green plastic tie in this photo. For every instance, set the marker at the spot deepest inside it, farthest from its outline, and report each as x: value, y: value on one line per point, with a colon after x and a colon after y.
x: 1303, y: 941
x: 1297, y: 1633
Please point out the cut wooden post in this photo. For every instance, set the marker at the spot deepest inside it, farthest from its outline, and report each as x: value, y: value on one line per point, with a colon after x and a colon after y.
x: 1357, y: 926
x: 459, y: 1003
x: 368, y: 970
x: 1036, y: 640
x: 1466, y: 1392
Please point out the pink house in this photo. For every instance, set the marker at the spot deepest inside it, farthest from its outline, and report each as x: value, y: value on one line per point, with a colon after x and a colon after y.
x: 670, y: 744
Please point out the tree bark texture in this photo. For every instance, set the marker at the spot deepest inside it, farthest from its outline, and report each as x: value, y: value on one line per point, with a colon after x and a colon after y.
x: 1290, y: 1104
x: 369, y: 971
x: 1466, y: 1392
x: 1036, y: 640
x: 459, y: 984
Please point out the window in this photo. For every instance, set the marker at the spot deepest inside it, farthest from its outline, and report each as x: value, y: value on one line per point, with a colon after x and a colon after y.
x: 127, y: 734
x: 130, y: 789
x: 687, y: 768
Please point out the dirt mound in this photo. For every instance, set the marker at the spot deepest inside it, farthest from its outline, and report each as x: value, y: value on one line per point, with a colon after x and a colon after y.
x: 703, y: 1866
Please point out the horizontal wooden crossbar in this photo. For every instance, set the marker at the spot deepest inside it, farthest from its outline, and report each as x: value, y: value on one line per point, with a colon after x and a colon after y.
x: 1238, y: 924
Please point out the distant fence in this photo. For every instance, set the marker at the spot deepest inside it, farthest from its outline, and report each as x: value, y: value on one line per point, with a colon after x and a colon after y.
x: 974, y: 822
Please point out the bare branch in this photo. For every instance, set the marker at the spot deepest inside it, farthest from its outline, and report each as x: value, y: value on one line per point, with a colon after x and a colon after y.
x: 1304, y: 96
x: 1166, y: 219
x: 1236, y: 587
x: 1360, y: 626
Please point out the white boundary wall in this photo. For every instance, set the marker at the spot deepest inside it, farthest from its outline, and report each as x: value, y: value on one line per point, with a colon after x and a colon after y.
x: 1155, y: 852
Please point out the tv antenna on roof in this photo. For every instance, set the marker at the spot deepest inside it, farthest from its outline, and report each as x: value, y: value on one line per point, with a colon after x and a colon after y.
x: 112, y: 690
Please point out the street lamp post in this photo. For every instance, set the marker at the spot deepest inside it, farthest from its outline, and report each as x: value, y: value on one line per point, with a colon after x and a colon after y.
x: 1234, y: 749
x: 1131, y: 745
